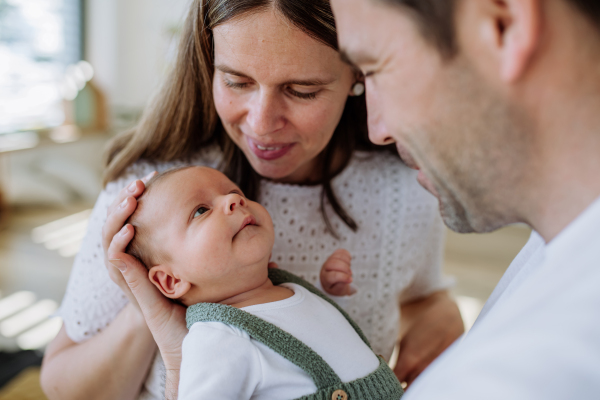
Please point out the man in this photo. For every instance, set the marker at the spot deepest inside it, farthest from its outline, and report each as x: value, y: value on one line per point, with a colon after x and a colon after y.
x: 497, y: 102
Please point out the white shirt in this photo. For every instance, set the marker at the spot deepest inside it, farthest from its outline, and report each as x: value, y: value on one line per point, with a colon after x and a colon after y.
x: 539, y: 335
x: 222, y: 362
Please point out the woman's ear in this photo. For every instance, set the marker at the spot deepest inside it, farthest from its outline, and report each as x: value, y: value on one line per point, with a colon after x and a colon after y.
x: 162, y: 277
x: 358, y: 87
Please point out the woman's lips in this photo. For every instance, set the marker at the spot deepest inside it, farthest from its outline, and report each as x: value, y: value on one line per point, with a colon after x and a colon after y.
x: 268, y: 151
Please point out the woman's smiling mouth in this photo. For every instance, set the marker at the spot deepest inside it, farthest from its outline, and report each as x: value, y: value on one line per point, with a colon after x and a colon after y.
x: 268, y: 151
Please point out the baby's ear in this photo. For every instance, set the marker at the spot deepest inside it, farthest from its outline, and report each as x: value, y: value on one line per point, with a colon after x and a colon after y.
x: 162, y: 277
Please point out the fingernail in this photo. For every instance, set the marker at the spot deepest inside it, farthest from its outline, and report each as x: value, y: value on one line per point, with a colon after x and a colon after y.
x: 131, y: 188
x: 123, y: 230
x: 120, y: 265
x: 124, y: 203
x: 147, y: 177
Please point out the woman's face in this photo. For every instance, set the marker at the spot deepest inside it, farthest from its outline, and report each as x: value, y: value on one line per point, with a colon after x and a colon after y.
x: 279, y: 93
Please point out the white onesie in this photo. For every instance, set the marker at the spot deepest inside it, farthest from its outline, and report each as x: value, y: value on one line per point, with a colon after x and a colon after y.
x: 223, y: 362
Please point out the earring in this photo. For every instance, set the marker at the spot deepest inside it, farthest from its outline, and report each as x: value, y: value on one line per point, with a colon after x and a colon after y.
x: 358, y: 89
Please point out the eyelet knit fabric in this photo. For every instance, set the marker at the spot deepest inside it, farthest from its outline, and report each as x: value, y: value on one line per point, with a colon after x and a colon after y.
x: 396, y: 252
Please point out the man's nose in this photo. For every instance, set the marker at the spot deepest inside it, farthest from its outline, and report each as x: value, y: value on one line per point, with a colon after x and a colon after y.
x: 233, y: 201
x: 265, y: 113
x: 378, y: 132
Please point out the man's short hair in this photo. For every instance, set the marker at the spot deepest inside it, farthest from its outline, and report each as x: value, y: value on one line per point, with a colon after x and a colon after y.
x: 436, y: 18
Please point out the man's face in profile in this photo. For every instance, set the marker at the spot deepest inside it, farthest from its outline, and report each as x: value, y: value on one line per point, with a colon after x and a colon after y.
x: 444, y: 117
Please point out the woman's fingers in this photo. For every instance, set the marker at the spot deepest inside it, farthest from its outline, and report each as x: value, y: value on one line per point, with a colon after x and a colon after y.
x: 134, y: 189
x: 135, y: 275
x: 115, y: 221
x: 122, y: 208
x: 435, y: 323
x: 118, y: 260
x: 165, y: 319
x: 149, y: 176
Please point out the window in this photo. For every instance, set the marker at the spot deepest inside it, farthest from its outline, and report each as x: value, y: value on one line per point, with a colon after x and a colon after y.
x: 40, y: 48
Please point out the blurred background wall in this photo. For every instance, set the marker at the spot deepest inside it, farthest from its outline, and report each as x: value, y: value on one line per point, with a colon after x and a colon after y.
x: 56, y: 115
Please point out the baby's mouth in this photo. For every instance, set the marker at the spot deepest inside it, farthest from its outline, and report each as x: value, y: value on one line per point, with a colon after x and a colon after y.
x: 249, y: 220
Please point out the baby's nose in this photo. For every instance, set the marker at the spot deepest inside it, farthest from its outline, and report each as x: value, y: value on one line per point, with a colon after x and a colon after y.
x: 233, y: 201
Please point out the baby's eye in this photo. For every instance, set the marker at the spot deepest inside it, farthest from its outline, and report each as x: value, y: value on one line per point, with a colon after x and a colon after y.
x: 200, y: 211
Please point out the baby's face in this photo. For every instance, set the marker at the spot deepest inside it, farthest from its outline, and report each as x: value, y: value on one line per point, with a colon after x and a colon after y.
x: 212, y: 236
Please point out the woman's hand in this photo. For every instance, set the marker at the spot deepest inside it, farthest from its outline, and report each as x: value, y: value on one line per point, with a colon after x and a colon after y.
x: 165, y: 319
x: 429, y: 326
x: 119, y: 211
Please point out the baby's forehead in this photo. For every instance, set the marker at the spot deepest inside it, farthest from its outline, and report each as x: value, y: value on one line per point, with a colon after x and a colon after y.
x: 191, y: 177
x: 178, y: 185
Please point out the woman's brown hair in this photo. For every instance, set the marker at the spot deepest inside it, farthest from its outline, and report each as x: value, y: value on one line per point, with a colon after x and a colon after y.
x: 182, y: 118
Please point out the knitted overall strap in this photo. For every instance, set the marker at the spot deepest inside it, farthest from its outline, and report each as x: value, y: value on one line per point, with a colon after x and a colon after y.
x: 271, y: 336
x: 381, y: 384
x: 279, y: 276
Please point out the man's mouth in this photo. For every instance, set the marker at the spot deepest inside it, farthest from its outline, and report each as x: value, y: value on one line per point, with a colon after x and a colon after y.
x: 406, y: 157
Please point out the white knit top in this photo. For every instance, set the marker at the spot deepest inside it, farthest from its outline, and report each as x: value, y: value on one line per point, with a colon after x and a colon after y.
x: 397, y: 250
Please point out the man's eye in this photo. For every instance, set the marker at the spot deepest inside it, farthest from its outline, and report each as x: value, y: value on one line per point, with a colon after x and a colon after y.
x: 200, y: 211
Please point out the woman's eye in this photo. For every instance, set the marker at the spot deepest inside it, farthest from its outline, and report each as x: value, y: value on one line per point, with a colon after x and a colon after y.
x: 200, y: 211
x: 235, y: 85
x: 308, y: 96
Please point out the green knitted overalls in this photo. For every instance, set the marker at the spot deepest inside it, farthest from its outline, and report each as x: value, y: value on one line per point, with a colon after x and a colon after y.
x: 381, y: 384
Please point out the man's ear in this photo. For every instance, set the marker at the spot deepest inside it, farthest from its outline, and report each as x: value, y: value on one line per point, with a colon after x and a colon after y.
x: 522, y: 32
x: 508, y: 30
x: 162, y: 277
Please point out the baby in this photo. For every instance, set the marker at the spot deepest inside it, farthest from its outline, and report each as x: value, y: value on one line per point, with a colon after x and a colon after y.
x: 254, y: 332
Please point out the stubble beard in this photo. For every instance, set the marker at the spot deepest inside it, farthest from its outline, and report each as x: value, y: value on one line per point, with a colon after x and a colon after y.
x: 476, y: 155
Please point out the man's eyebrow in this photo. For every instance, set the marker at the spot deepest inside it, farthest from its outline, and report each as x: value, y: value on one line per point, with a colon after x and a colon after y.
x: 300, y: 82
x: 353, y: 58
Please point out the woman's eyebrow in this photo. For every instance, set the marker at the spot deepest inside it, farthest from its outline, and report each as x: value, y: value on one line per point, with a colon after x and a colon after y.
x: 300, y: 82
x: 309, y: 82
x: 227, y: 70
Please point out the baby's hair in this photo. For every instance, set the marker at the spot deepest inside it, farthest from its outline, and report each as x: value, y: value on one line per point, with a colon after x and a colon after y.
x: 142, y: 246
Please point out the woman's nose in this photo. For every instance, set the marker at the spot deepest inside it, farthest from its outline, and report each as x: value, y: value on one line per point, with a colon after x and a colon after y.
x: 265, y: 114
x: 233, y: 201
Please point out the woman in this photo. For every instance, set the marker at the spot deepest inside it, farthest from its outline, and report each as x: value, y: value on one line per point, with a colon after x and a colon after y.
x: 260, y: 92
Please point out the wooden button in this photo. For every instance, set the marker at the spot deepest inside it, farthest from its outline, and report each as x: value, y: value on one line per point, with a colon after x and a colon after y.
x: 339, y: 395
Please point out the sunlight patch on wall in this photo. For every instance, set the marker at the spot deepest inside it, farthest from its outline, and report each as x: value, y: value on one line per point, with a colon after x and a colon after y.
x: 63, y: 235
